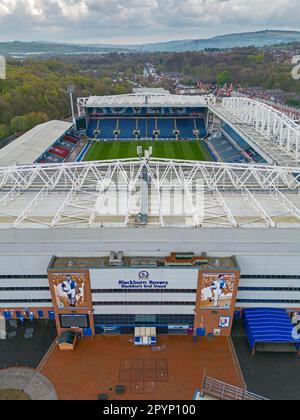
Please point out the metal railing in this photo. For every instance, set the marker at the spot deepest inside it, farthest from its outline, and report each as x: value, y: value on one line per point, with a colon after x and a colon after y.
x: 222, y: 391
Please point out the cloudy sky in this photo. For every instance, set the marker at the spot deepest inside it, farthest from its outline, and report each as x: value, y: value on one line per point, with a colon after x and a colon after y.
x: 140, y: 21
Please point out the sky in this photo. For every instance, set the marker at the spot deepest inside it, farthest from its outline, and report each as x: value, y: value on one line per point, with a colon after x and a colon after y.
x: 140, y: 21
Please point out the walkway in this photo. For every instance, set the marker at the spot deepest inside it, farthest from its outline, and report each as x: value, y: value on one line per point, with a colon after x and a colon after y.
x: 32, y: 383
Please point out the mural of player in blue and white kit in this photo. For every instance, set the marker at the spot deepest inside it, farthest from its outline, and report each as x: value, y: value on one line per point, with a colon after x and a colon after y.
x: 69, y: 290
x: 217, y: 291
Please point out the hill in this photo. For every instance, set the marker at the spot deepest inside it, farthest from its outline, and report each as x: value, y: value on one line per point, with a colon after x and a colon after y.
x: 48, y: 49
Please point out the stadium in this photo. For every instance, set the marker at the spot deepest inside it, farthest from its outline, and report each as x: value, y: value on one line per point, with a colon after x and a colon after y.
x: 154, y: 210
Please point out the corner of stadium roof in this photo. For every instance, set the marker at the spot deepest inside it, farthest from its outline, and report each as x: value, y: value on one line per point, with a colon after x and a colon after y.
x: 28, y: 148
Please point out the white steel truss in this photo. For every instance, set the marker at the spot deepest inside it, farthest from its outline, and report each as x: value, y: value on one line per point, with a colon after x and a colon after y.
x: 212, y: 194
x: 268, y: 130
x: 143, y: 99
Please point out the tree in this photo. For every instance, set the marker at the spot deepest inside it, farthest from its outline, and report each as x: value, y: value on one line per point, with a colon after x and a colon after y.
x: 224, y: 78
x: 4, y: 131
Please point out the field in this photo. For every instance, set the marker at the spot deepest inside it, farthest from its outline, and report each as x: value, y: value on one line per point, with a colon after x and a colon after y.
x: 185, y: 150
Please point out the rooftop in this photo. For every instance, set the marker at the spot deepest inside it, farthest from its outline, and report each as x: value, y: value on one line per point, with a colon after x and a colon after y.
x: 148, y: 98
x: 29, y: 147
x: 112, y: 194
x: 199, y: 262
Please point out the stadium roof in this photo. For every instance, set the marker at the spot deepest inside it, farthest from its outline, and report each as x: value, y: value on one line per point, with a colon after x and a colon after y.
x: 271, y: 133
x: 29, y: 147
x: 178, y: 194
x: 147, y: 99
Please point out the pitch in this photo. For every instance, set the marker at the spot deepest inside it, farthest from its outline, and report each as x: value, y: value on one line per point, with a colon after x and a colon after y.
x: 182, y: 150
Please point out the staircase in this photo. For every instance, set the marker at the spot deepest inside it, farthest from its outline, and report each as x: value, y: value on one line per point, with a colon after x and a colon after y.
x: 222, y: 391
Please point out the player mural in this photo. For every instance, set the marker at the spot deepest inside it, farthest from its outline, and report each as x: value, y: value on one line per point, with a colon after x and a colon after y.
x: 71, y: 290
x: 217, y: 291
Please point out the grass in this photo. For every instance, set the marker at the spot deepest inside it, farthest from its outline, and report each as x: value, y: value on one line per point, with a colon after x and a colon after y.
x: 13, y: 395
x: 185, y: 150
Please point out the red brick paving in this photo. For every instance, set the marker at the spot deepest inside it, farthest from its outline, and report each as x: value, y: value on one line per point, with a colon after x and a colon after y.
x: 174, y: 373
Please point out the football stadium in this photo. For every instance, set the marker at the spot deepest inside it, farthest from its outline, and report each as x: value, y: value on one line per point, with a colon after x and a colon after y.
x: 153, y: 214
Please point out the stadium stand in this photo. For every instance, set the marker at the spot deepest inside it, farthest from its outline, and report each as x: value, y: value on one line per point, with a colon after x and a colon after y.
x: 253, y: 155
x: 60, y: 150
x: 126, y: 124
x: 221, y: 147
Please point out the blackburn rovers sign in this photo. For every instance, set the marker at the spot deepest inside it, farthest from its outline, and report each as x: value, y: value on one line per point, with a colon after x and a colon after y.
x: 143, y: 281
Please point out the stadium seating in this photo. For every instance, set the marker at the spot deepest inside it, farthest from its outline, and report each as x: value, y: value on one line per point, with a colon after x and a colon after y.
x: 200, y: 125
x: 127, y: 128
x: 60, y: 150
x: 142, y: 128
x: 186, y: 128
x: 243, y: 144
x: 91, y: 128
x: 150, y: 128
x: 66, y: 145
x: 107, y: 129
x: 166, y: 127
x: 71, y: 139
x: 221, y: 147
x: 146, y: 128
x: 50, y: 158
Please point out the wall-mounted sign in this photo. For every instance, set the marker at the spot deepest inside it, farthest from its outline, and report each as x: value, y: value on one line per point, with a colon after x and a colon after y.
x: 144, y: 278
x: 143, y: 284
x: 224, y: 322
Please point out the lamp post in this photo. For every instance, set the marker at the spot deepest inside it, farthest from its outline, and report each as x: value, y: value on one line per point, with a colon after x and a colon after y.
x: 71, y: 90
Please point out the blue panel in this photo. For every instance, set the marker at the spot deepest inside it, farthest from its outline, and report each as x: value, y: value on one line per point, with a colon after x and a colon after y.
x: 200, y: 332
x: 87, y: 332
x: 51, y: 315
x: 41, y: 314
x: 20, y: 316
x: 7, y: 315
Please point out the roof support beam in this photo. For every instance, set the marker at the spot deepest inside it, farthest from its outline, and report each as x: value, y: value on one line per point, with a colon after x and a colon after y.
x: 285, y: 202
x: 31, y: 206
x: 258, y: 207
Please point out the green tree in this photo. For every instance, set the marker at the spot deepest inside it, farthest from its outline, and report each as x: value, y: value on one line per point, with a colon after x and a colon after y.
x: 224, y: 77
